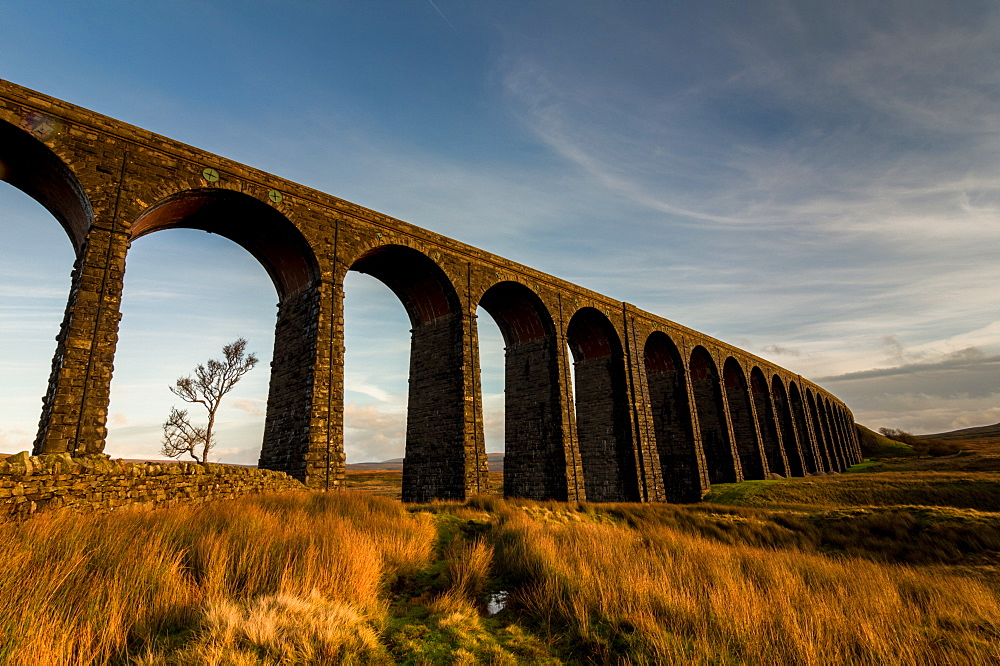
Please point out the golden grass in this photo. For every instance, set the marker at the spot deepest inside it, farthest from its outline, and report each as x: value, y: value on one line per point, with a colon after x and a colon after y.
x: 468, y: 567
x: 350, y: 578
x: 87, y: 589
x: 279, y: 629
x: 658, y: 595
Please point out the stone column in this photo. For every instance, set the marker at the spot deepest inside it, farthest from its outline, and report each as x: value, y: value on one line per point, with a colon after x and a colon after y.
x: 573, y: 463
x: 650, y: 471
x: 768, y: 426
x: 445, y: 451
x: 300, y: 438
x: 75, y: 407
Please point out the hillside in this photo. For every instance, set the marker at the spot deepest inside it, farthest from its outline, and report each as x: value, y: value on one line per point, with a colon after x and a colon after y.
x: 976, y: 434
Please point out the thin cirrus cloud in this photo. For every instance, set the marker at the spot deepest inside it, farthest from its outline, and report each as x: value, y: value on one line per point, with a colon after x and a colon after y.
x: 829, y: 196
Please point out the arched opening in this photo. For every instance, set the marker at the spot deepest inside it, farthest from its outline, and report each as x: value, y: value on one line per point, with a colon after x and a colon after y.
x: 830, y: 442
x: 35, y: 265
x: 35, y: 262
x: 849, y: 442
x: 289, y: 428
x: 712, y: 418
x: 534, y: 460
x: 806, y: 439
x: 845, y: 441
x: 823, y: 461
x: 850, y: 435
x: 29, y: 165
x: 767, y: 423
x: 602, y: 417
x: 250, y: 223
x: 789, y: 437
x: 837, y: 423
x: 187, y: 294
x: 376, y: 372
x: 741, y: 414
x: 492, y: 369
x: 672, y: 419
x: 833, y: 435
x: 442, y: 460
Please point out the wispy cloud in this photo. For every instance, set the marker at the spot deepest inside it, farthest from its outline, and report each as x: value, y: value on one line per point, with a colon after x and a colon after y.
x: 252, y: 407
x: 14, y: 441
x: 966, y: 361
x: 373, y: 435
x: 780, y: 350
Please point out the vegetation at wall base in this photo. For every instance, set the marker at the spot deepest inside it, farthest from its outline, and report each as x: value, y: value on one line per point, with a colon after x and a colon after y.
x: 898, y: 563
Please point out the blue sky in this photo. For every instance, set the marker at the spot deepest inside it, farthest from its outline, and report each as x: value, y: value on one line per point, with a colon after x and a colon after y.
x: 814, y: 182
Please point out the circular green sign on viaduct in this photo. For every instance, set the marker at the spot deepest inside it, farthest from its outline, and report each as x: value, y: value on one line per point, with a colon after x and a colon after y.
x: 661, y: 411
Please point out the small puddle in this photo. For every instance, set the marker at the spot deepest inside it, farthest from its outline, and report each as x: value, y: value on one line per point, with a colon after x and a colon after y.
x: 495, y: 602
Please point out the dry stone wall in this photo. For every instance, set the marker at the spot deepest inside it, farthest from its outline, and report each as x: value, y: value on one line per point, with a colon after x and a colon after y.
x: 30, y: 484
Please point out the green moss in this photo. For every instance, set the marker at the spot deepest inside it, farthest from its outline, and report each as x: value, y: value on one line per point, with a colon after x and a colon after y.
x: 740, y: 494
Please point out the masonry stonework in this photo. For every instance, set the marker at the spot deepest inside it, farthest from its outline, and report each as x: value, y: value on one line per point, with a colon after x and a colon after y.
x: 34, y: 484
x: 660, y: 411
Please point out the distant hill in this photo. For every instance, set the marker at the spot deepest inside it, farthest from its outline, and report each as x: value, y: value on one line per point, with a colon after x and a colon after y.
x: 979, y: 432
x: 495, y: 461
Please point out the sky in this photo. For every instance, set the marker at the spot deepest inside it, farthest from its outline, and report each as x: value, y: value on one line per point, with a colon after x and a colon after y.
x: 817, y: 183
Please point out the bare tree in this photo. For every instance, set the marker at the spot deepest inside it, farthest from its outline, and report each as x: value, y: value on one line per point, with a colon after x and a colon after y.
x: 211, y: 382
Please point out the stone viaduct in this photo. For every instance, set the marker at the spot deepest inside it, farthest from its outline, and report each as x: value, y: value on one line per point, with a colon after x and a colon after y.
x: 660, y: 413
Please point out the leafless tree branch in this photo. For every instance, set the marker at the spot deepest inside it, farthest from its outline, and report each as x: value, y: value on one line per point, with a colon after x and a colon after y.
x: 211, y: 382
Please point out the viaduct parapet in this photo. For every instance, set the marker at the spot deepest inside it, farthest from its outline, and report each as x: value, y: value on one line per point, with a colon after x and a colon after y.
x: 661, y: 411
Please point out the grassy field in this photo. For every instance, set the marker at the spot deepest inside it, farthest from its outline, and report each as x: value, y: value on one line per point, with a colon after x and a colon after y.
x: 896, y: 562
x: 385, y: 483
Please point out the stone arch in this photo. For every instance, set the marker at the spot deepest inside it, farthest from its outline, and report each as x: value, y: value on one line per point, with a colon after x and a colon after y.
x: 741, y: 416
x: 534, y: 459
x: 424, y: 289
x: 767, y: 423
x: 806, y: 437
x: 835, y: 434
x: 828, y: 433
x: 445, y: 453
x: 30, y: 166
x: 790, y: 438
x: 850, y: 433
x: 675, y: 441
x: 603, y: 423
x: 845, y: 434
x: 291, y: 439
x: 719, y: 458
x: 853, y: 434
x: 252, y: 224
x: 822, y: 445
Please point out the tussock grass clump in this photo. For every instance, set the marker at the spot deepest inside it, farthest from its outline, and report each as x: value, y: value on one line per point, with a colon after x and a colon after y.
x: 650, y: 594
x: 467, y: 568
x: 278, y: 629
x: 87, y: 589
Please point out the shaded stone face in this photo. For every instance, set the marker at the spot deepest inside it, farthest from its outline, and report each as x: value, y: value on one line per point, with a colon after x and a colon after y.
x: 653, y: 416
